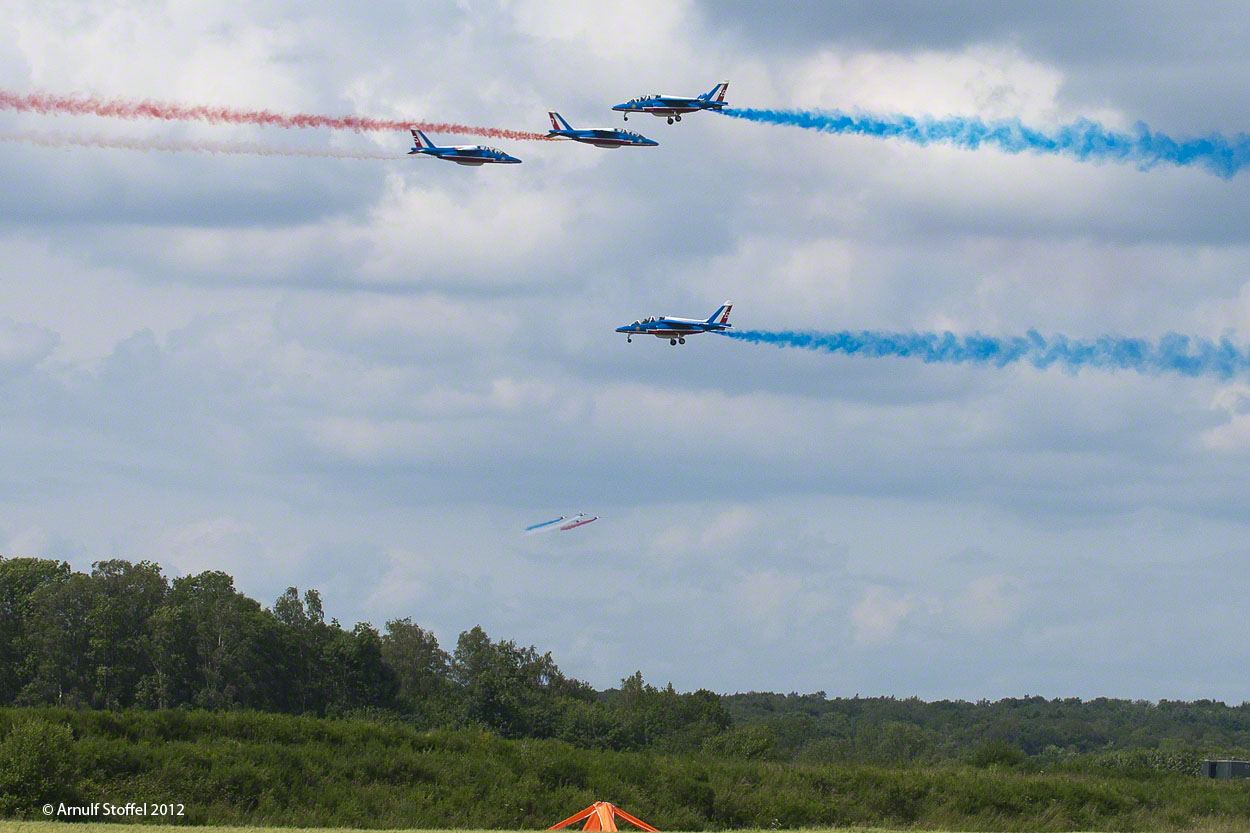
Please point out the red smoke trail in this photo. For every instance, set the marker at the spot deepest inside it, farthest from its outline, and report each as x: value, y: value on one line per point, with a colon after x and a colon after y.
x: 49, y: 104
x: 53, y: 140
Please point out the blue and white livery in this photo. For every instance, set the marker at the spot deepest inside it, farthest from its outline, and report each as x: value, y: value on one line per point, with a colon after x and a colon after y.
x: 600, y: 137
x: 460, y: 154
x: 676, y: 329
x: 673, y: 106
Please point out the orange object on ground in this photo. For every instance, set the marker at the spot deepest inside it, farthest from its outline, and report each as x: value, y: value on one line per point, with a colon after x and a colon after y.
x: 602, y: 816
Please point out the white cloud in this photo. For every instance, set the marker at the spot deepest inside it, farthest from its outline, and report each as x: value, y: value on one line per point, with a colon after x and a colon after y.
x: 22, y: 346
x: 988, y: 602
x: 368, y: 377
x: 611, y: 31
x: 404, y: 582
x: 418, y: 229
x: 193, y: 51
x: 1233, y: 434
x: 28, y: 543
x: 730, y: 526
x: 221, y: 543
x: 992, y: 82
x: 879, y: 614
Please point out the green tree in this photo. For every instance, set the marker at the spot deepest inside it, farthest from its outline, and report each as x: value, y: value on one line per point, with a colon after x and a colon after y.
x: 359, y: 677
x: 515, y: 691
x: 169, y: 651
x: 57, y: 638
x: 422, y: 669
x: 662, y: 718
x: 225, y: 649
x: 36, y: 766
x: 125, y: 597
x: 306, y: 637
x: 19, y: 579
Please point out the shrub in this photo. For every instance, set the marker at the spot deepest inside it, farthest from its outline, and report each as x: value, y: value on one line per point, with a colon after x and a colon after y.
x: 745, y: 742
x: 995, y: 752
x: 36, y: 766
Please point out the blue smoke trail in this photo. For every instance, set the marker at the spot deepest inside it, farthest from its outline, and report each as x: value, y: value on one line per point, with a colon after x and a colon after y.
x: 1173, y: 353
x: 1085, y: 140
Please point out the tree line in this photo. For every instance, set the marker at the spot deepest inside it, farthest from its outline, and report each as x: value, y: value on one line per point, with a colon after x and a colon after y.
x: 123, y: 637
x: 1168, y: 734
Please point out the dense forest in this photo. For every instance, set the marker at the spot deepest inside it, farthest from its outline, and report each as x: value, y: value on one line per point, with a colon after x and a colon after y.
x: 125, y: 637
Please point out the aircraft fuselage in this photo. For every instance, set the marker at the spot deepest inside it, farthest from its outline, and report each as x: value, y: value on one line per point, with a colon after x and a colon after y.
x: 460, y: 154
x: 673, y: 107
x: 475, y: 155
x: 676, y: 329
x: 604, y: 138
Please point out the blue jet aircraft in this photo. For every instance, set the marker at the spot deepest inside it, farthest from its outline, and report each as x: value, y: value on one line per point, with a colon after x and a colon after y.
x: 460, y: 154
x: 600, y: 137
x: 676, y: 329
x: 673, y: 106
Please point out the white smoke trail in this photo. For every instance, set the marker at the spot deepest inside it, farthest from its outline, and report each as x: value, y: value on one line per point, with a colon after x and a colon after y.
x: 59, y: 140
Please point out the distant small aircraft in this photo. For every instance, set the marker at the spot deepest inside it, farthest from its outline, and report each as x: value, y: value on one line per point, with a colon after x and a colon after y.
x: 600, y: 137
x: 460, y: 154
x: 562, y: 523
x: 672, y: 106
x: 676, y: 329
x: 578, y: 520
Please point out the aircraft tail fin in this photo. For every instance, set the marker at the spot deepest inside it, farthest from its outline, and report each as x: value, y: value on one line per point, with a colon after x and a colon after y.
x: 717, y: 93
x: 721, y: 316
x: 558, y: 122
x: 420, y: 139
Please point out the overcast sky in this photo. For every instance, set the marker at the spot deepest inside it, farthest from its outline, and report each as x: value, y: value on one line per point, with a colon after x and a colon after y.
x: 367, y: 376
